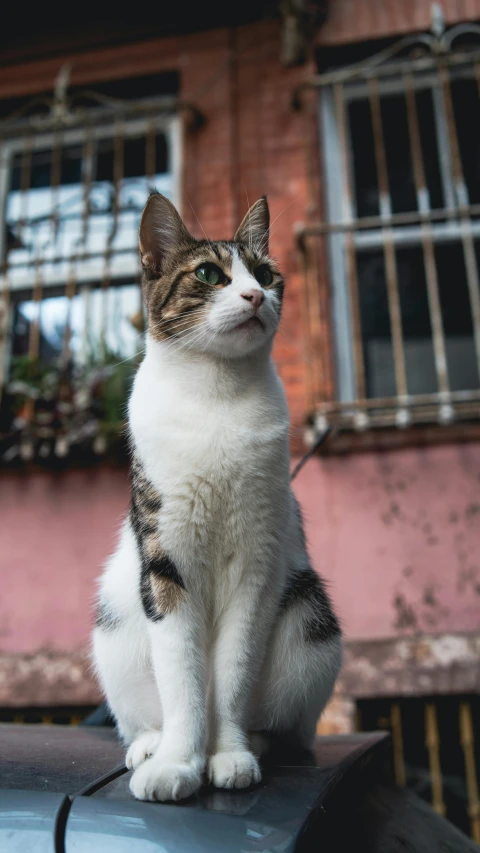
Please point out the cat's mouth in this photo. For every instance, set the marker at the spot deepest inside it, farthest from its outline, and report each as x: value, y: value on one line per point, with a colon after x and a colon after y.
x: 251, y: 324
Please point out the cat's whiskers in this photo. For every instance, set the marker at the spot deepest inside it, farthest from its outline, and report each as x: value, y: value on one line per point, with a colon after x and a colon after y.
x: 197, y: 338
x: 268, y: 232
x: 306, y: 358
x: 129, y: 358
x: 176, y: 325
x: 182, y: 337
x: 201, y: 226
x: 177, y: 317
x: 248, y: 208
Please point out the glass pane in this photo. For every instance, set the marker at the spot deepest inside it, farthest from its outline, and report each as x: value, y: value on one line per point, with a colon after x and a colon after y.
x: 457, y: 317
x: 397, y: 153
x: 428, y: 141
x: 121, y: 338
x: 377, y: 344
x: 47, y: 225
x: 467, y: 117
x: 417, y: 333
x: 363, y: 159
x: 397, y: 148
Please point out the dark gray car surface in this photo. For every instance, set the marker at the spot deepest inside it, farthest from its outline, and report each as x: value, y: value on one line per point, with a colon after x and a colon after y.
x: 65, y: 790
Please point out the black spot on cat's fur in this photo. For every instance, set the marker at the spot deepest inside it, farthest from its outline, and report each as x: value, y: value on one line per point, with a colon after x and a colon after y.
x: 161, y: 585
x: 106, y: 619
x: 163, y: 566
x: 306, y: 587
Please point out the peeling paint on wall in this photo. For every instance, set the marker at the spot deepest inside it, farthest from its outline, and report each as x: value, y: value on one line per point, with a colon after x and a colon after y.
x: 449, y: 663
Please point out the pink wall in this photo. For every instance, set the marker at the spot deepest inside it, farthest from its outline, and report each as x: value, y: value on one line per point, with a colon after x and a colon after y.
x: 397, y: 534
x: 55, y: 531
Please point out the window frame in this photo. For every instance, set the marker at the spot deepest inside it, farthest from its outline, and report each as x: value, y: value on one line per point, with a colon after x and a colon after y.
x: 103, y: 126
x: 170, y: 125
x: 340, y: 209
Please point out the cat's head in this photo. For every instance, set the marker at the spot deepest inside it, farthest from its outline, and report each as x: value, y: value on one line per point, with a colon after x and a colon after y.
x: 222, y: 297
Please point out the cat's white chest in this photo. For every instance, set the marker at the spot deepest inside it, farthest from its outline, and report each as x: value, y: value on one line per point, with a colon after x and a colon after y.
x: 220, y: 465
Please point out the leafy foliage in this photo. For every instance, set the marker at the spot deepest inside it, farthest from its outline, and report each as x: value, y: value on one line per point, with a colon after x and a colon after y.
x: 51, y: 412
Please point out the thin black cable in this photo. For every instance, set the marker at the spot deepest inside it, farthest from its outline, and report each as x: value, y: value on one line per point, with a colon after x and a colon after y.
x: 318, y: 443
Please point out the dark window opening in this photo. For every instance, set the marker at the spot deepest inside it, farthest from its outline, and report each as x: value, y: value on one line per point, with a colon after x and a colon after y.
x: 398, y: 155
x: 419, y: 723
x: 416, y: 324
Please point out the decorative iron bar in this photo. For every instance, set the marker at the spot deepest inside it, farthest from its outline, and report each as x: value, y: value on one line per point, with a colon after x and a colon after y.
x: 432, y: 742
x: 402, y: 232
x: 397, y: 743
x: 468, y: 745
x: 433, y: 750
x: 75, y: 172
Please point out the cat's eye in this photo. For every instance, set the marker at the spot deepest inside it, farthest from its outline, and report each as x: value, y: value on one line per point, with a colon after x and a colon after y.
x: 263, y: 275
x: 210, y: 274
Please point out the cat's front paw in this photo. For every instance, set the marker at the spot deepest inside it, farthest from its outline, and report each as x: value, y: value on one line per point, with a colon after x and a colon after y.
x: 157, y: 781
x: 233, y: 769
x: 142, y: 748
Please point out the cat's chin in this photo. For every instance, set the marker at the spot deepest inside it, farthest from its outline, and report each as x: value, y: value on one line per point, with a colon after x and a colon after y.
x: 240, y: 341
x: 253, y: 324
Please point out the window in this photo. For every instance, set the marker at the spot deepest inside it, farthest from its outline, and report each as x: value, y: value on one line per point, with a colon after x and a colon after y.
x: 401, y: 159
x: 72, y: 199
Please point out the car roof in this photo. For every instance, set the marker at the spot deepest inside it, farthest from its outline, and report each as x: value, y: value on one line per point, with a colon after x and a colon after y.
x: 57, y: 759
x: 66, y: 788
x: 76, y: 760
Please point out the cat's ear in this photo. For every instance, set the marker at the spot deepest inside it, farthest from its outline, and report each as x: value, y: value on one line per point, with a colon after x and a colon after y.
x: 161, y: 232
x: 254, y: 228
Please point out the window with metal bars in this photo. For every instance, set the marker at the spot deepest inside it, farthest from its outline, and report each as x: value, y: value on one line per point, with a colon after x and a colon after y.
x: 401, y: 153
x: 435, y: 750
x: 72, y: 189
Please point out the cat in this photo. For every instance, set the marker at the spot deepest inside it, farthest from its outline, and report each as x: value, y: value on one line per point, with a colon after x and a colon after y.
x: 213, y: 633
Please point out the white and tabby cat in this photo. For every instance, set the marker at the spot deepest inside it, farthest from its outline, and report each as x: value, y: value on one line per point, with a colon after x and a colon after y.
x: 211, y: 624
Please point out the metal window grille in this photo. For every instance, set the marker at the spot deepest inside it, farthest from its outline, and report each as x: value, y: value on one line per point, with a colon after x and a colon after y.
x: 401, y: 146
x: 435, y: 750
x: 74, y: 176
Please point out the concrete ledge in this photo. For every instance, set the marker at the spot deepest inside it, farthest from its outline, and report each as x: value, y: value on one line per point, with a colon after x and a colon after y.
x: 407, y: 666
x: 47, y: 678
x: 411, y: 666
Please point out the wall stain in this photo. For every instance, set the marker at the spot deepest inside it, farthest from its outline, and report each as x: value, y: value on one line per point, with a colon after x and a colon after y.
x: 435, y: 612
x: 468, y: 580
x: 472, y: 510
x: 406, y: 618
x: 429, y: 597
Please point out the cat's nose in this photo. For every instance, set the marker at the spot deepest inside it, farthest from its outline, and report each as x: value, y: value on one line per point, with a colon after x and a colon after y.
x: 255, y: 296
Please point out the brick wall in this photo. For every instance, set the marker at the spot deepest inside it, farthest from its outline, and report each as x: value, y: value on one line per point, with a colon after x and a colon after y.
x: 362, y: 20
x: 252, y: 142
